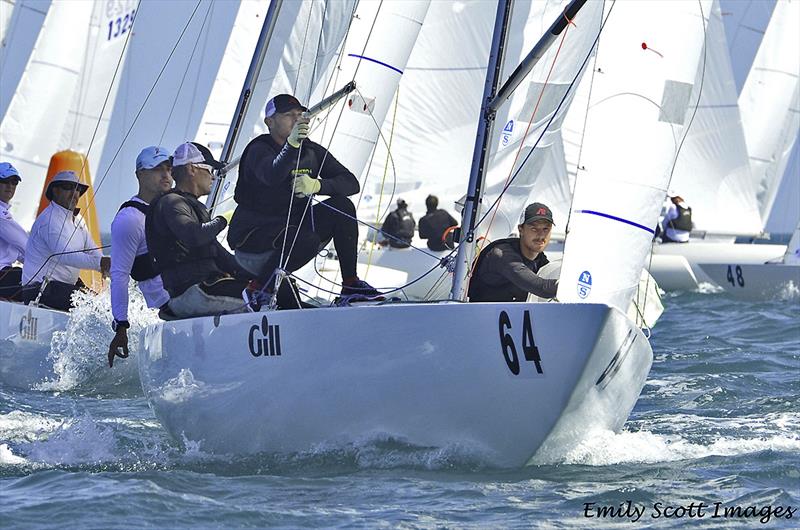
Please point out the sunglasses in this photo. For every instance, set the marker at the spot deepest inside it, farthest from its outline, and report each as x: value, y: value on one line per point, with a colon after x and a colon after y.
x: 204, y: 166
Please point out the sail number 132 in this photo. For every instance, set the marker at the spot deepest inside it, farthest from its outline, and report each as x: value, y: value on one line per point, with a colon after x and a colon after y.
x: 529, y: 350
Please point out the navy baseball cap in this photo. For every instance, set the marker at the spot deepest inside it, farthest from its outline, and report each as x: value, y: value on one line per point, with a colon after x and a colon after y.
x: 282, y: 103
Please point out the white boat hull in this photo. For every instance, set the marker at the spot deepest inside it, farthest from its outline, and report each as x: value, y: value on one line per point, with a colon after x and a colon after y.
x: 433, y: 375
x: 676, y: 266
x: 755, y: 281
x: 26, y: 334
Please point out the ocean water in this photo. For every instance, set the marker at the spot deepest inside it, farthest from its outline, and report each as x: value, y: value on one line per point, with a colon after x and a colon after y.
x: 718, y: 422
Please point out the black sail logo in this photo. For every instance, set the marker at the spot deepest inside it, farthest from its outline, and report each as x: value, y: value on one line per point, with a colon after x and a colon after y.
x: 28, y: 325
x: 264, y: 339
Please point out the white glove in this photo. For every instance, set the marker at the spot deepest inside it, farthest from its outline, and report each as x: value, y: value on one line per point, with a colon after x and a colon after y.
x: 299, y: 133
x: 305, y: 186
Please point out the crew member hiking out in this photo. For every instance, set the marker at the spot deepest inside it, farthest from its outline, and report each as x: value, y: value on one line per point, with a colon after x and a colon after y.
x: 201, y: 277
x: 131, y: 257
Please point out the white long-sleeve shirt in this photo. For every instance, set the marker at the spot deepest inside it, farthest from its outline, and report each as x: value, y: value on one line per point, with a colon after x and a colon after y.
x: 58, y: 230
x: 127, y: 242
x: 13, y: 238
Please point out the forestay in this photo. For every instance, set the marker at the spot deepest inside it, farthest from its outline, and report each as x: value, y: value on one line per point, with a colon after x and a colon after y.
x: 770, y: 103
x: 712, y: 172
x: 539, y: 173
x: 646, y: 67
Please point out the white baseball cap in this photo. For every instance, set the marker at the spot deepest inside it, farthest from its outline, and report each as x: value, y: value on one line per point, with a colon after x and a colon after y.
x: 194, y: 153
x: 151, y: 157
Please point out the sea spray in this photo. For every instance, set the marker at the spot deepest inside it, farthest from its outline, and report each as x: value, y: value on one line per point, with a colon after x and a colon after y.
x: 79, y: 353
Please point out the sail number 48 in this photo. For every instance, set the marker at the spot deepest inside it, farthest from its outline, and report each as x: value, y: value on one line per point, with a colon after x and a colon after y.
x: 529, y: 350
x: 735, y: 276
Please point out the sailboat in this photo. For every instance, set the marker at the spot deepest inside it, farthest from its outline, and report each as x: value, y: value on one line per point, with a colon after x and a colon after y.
x: 761, y: 281
x: 517, y: 382
x: 730, y: 167
x: 78, y: 49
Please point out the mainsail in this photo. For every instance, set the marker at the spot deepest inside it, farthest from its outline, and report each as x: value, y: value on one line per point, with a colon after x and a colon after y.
x: 712, y: 172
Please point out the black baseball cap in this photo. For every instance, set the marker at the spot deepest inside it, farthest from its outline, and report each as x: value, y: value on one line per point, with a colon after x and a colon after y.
x: 282, y: 103
x: 535, y: 212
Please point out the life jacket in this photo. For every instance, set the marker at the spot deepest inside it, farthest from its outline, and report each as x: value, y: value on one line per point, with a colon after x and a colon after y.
x: 480, y: 291
x: 400, y: 224
x: 144, y: 267
x: 684, y: 219
x: 164, y: 247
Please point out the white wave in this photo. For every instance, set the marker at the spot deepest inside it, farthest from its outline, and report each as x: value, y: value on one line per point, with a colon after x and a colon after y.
x: 26, y: 426
x: 8, y: 458
x: 709, y: 288
x: 79, y: 353
x: 76, y: 441
x: 607, y: 448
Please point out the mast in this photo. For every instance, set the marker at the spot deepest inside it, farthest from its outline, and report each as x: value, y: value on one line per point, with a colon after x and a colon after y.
x: 259, y: 54
x: 492, y: 99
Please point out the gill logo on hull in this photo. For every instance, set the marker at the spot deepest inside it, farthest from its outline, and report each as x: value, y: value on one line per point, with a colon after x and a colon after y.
x: 268, y: 343
x: 28, y: 326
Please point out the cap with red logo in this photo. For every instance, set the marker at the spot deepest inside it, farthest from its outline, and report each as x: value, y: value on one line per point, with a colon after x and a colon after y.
x: 535, y: 212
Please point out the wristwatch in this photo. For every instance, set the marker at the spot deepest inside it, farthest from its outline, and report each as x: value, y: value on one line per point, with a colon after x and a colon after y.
x: 116, y: 324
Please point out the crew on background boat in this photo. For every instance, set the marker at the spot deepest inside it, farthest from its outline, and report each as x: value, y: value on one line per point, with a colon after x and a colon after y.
x: 434, y: 224
x: 506, y: 269
x: 200, y: 275
x: 13, y: 237
x: 398, y: 228
x: 131, y: 258
x: 677, y: 223
x: 60, y: 246
x: 279, y: 173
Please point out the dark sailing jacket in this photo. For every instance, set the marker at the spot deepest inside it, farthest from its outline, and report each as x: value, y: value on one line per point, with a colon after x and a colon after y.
x: 182, y: 239
x: 432, y: 227
x: 503, y: 274
x: 265, y: 186
x: 400, y: 225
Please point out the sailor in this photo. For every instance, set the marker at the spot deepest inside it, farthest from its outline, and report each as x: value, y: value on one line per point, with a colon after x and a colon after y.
x: 131, y: 258
x: 434, y: 225
x: 13, y: 237
x: 278, y: 175
x: 506, y: 269
x: 60, y: 246
x: 399, y: 226
x: 200, y: 275
x: 677, y: 223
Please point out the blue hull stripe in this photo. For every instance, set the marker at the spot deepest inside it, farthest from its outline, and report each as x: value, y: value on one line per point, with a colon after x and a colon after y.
x: 390, y: 67
x: 615, y: 218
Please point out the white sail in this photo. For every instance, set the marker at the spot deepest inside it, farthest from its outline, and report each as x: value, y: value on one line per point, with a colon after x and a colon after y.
x: 712, y: 172
x: 646, y: 67
x: 30, y: 132
x: 432, y: 122
x: 793, y: 249
x: 20, y: 24
x: 770, y: 102
x: 306, y: 38
x: 106, y: 47
x: 374, y: 55
x: 540, y: 173
x: 228, y: 83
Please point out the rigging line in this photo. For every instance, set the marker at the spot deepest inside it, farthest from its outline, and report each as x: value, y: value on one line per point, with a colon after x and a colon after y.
x: 303, y: 49
x: 186, y: 72
x: 82, y: 79
x: 545, y: 129
x: 522, y: 141
x: 94, y: 134
x: 316, y: 54
x: 383, y: 179
x: 54, y: 255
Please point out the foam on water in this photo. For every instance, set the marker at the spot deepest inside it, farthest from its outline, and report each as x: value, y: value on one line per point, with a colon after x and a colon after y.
x: 8, y: 458
x: 79, y: 353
